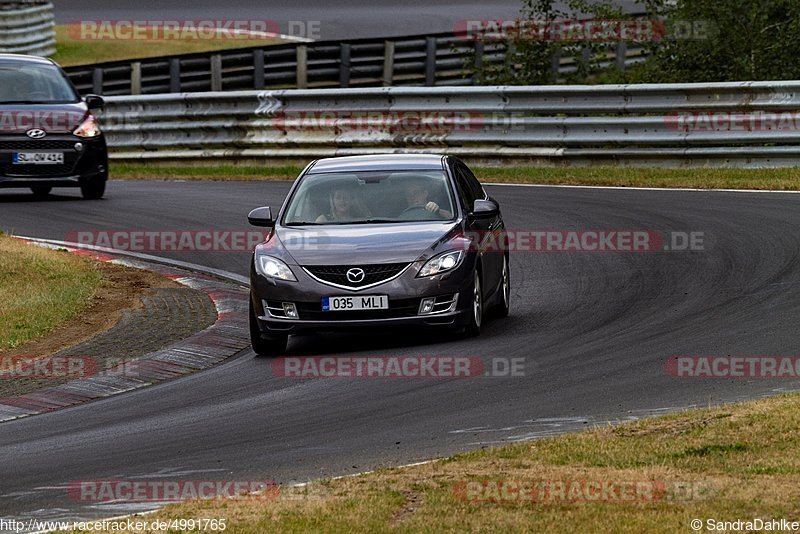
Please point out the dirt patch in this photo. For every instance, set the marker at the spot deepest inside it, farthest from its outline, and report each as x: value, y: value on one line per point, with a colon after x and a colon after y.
x: 123, y: 288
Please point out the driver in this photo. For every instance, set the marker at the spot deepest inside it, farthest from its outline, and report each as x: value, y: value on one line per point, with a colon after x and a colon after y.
x: 418, y: 196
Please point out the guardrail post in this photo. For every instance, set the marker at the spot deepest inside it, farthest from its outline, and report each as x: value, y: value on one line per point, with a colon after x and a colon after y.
x: 258, y: 70
x: 479, y: 50
x: 344, y: 65
x: 388, y: 63
x: 97, y: 81
x: 174, y: 75
x: 622, y: 52
x: 555, y: 65
x: 136, y: 78
x: 216, y: 72
x: 586, y: 56
x: 430, y: 61
x: 302, y: 67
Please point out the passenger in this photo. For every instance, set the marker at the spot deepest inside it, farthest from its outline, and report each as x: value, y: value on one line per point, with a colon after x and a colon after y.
x: 344, y: 207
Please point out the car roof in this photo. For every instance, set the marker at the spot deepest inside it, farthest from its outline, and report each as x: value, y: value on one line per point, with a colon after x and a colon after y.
x: 20, y: 59
x: 379, y: 162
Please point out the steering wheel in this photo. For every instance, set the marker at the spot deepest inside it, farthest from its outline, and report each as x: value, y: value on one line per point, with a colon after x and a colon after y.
x: 413, y: 212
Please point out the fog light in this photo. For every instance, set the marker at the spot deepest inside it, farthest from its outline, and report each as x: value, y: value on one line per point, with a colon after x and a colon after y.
x: 290, y: 310
x: 426, y: 306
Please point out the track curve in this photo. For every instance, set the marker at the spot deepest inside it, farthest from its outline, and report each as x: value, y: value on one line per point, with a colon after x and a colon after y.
x: 595, y: 330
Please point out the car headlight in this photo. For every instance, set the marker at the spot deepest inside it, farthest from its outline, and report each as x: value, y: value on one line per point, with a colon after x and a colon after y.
x: 88, y: 128
x: 274, y: 268
x: 442, y: 263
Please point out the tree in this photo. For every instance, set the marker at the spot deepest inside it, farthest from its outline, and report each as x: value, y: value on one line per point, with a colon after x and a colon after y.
x: 697, y: 41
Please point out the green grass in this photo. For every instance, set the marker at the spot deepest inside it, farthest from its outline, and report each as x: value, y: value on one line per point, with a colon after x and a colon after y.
x: 39, y: 289
x: 736, y: 461
x: 784, y: 178
x: 71, y: 50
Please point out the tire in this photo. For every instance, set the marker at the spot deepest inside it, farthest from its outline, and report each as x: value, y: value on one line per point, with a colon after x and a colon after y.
x: 271, y: 346
x: 41, y: 191
x: 473, y: 327
x: 504, y: 306
x: 93, y: 190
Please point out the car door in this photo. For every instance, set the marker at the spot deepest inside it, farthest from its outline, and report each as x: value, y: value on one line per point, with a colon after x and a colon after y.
x: 491, y: 253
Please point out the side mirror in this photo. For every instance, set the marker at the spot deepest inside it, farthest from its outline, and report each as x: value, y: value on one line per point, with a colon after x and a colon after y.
x: 94, y: 102
x: 261, y: 217
x: 485, y: 209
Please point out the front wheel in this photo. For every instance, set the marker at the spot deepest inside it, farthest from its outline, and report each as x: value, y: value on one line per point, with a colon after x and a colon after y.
x: 473, y: 328
x: 505, y: 298
x: 93, y: 190
x: 272, y: 346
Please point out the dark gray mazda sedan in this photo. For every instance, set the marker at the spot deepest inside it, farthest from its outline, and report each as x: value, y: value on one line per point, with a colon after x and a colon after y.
x: 384, y: 240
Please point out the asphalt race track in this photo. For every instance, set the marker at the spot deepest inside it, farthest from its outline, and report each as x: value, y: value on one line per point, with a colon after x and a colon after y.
x: 347, y: 19
x: 594, y: 330
x: 342, y: 19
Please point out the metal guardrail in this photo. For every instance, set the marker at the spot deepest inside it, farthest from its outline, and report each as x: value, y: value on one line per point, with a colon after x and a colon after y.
x: 27, y: 28
x: 424, y: 60
x: 738, y: 124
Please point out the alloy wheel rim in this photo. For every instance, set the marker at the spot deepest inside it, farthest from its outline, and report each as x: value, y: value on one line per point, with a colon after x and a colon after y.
x: 476, y: 304
x: 506, y: 285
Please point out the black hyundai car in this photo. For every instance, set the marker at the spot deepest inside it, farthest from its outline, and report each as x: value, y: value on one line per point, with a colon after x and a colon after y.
x: 382, y: 240
x: 49, y: 136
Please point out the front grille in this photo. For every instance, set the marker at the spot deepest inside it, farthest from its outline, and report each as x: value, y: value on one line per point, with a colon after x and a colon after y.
x: 312, y: 311
x: 373, y: 274
x: 8, y: 147
x: 42, y: 144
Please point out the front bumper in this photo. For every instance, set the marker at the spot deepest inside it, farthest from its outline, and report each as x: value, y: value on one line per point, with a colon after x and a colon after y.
x: 405, y: 294
x: 80, y: 166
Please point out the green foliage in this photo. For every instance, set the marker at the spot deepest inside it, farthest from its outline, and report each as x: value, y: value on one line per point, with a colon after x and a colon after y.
x: 747, y: 40
x: 703, y: 41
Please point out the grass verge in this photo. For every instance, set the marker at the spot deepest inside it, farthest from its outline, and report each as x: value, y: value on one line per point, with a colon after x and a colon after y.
x: 72, y: 50
x: 40, y: 289
x: 733, y: 462
x: 783, y: 179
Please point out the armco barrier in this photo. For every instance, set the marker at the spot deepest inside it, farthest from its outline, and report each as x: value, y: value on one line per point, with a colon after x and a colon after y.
x: 736, y: 124
x: 427, y: 60
x: 27, y: 28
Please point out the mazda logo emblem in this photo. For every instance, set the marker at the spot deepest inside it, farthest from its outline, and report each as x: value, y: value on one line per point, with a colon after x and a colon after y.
x: 356, y: 275
x: 36, y: 133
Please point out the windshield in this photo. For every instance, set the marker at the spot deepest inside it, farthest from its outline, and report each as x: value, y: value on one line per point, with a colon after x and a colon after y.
x: 371, y: 197
x: 34, y: 84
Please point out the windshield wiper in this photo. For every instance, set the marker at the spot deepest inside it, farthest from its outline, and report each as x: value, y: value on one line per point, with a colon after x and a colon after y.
x: 304, y: 223
x: 375, y: 221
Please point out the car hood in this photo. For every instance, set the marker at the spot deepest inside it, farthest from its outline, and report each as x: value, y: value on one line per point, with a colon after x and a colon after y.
x: 362, y: 244
x: 52, y: 118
